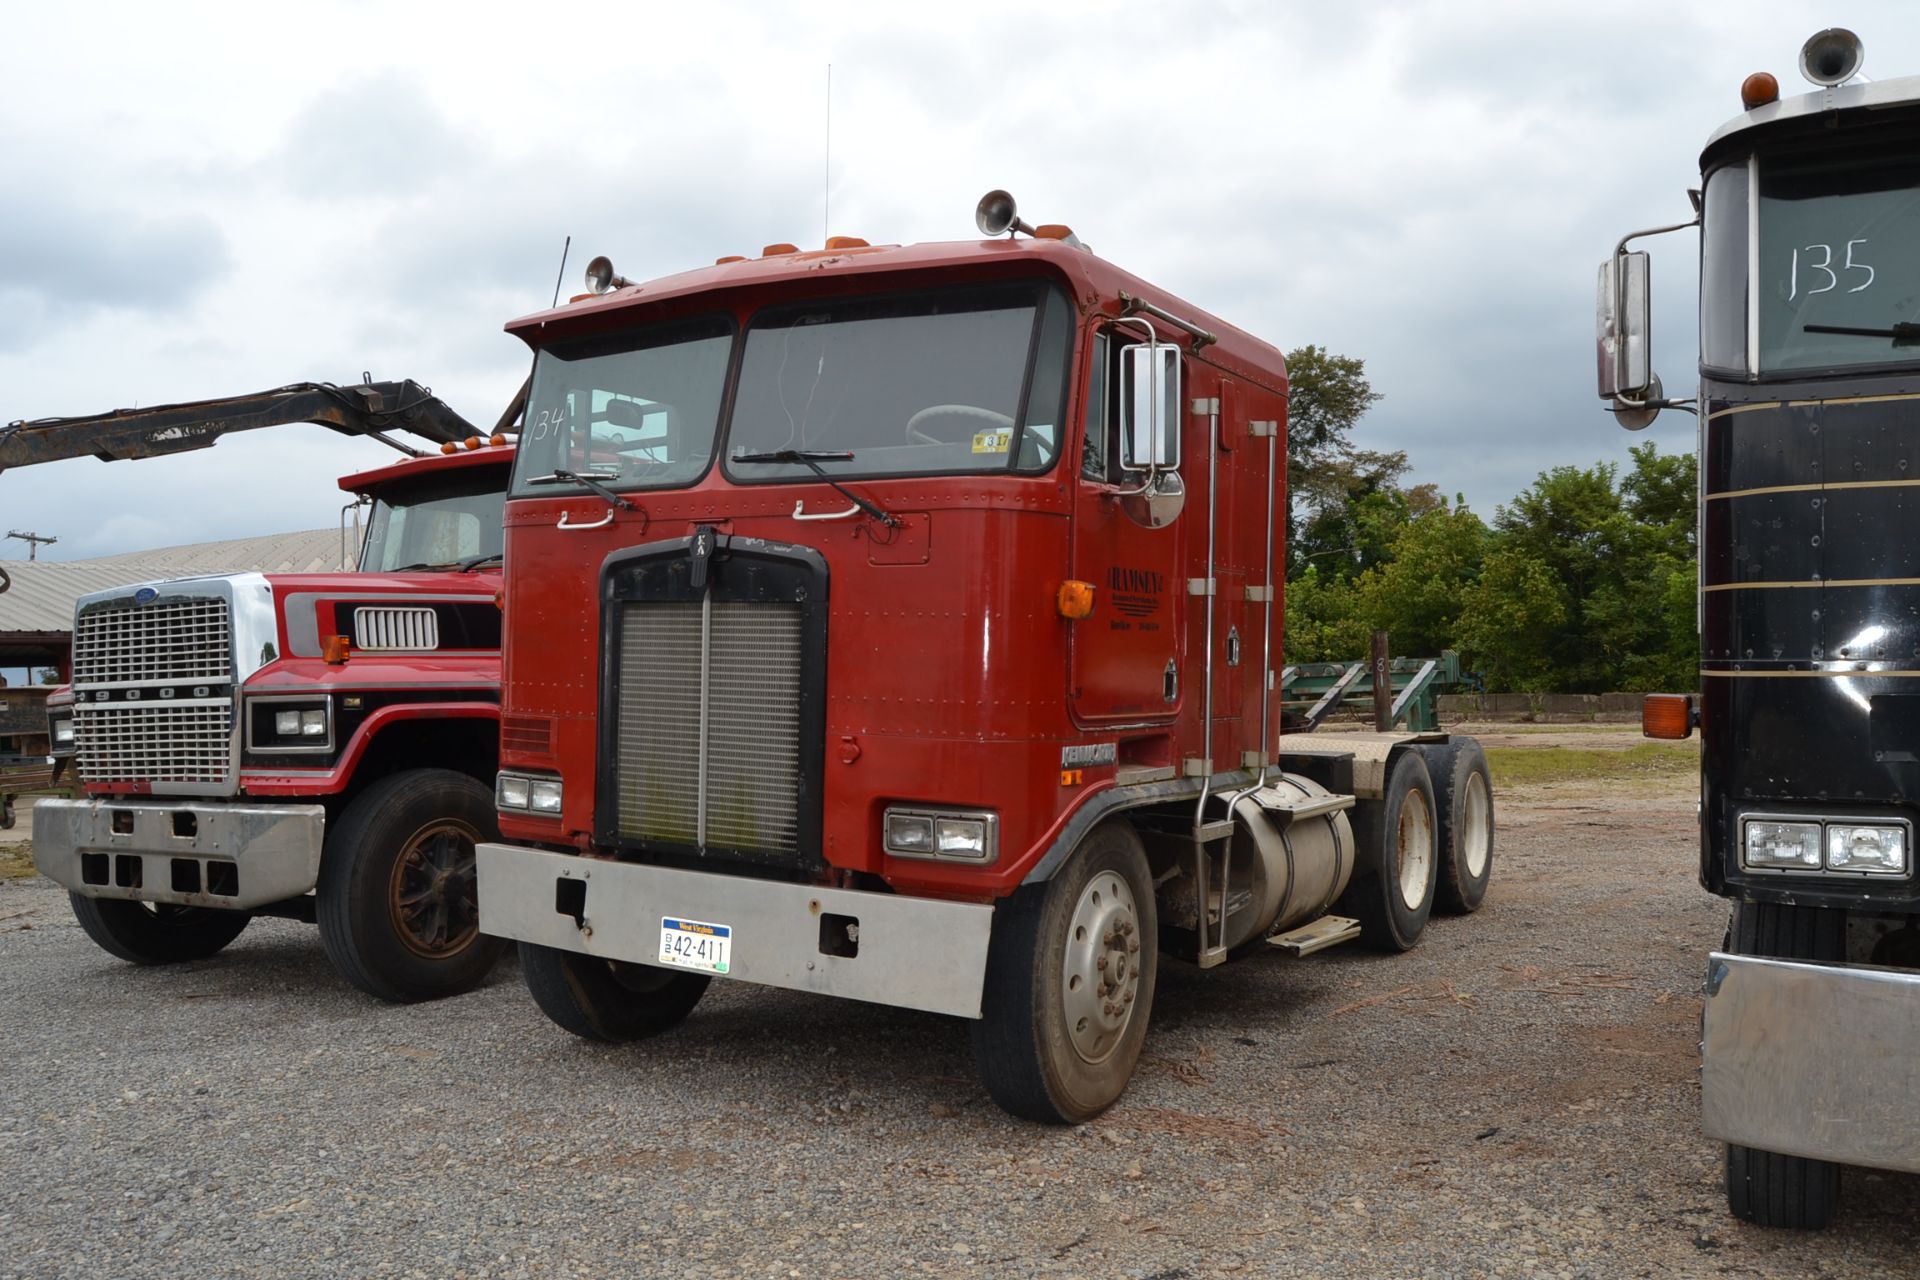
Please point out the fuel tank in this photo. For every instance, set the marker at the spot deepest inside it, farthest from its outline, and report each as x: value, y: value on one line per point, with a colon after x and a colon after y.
x: 1289, y: 858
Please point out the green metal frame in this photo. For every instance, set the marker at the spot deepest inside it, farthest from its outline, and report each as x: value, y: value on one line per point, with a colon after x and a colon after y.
x: 1313, y: 691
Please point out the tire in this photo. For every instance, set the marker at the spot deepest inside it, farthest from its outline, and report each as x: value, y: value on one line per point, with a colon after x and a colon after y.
x: 154, y: 932
x: 608, y: 1001
x: 1065, y: 954
x: 1463, y: 807
x: 397, y: 905
x: 1396, y: 859
x: 1764, y: 1187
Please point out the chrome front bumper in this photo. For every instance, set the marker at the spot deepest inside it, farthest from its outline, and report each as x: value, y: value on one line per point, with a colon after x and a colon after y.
x: 236, y: 856
x: 913, y: 953
x: 1811, y: 1059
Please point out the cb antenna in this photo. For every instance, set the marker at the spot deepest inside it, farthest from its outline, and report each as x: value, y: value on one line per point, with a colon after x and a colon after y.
x: 563, y: 270
x: 826, y: 168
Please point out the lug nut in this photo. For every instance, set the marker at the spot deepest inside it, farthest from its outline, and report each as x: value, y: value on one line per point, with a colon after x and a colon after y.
x: 1133, y: 945
x: 1127, y: 998
x: 1101, y: 964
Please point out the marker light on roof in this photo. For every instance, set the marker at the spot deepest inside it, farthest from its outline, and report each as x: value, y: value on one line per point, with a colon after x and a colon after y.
x: 1758, y: 89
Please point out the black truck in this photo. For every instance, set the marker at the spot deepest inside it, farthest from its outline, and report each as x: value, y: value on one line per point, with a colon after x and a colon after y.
x: 1809, y: 615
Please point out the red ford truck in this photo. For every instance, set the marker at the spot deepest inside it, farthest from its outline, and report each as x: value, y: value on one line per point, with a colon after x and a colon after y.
x: 900, y: 623
x: 319, y: 746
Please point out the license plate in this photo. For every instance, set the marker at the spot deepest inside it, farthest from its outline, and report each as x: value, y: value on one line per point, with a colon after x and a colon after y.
x: 695, y: 944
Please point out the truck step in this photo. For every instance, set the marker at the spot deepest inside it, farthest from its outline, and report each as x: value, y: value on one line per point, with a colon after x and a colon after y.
x: 1318, y: 935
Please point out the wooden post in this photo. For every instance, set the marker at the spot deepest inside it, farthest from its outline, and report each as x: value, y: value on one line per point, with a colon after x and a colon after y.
x: 1382, y: 684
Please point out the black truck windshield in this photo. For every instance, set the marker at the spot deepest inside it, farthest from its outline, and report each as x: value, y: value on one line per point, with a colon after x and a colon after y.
x: 1839, y: 263
x: 634, y: 410
x: 948, y: 382
x: 441, y: 520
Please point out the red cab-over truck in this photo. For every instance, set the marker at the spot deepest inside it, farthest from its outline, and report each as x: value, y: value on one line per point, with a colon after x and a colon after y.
x: 901, y: 623
x: 319, y: 746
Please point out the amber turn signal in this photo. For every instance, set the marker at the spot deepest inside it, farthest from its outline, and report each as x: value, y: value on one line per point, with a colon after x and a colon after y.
x: 334, y: 650
x: 1075, y: 599
x: 1666, y: 715
x: 449, y: 447
x: 1758, y: 89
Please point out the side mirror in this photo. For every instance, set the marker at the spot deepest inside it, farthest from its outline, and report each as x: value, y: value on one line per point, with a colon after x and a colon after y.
x: 1150, y: 407
x: 1622, y: 324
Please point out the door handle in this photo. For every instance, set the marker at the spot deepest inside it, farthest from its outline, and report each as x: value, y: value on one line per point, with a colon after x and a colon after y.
x: 800, y: 512
x: 601, y: 523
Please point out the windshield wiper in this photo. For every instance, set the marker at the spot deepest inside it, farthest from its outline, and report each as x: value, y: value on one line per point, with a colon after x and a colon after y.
x: 1905, y: 333
x: 811, y: 460
x: 474, y: 562
x: 559, y: 476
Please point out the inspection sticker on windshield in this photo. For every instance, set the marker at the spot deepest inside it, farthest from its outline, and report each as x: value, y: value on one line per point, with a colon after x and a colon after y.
x: 694, y: 944
x: 992, y: 440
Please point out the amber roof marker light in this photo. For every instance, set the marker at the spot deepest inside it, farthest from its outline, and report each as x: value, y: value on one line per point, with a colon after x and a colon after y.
x: 1759, y: 89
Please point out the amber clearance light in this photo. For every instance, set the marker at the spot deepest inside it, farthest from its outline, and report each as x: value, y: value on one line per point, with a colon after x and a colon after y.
x: 334, y: 650
x: 1666, y: 715
x: 1075, y: 599
x: 1758, y: 89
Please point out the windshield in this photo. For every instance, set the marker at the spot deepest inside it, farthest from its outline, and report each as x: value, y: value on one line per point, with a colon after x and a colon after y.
x: 636, y: 410
x: 1839, y: 262
x: 949, y: 382
x: 435, y: 521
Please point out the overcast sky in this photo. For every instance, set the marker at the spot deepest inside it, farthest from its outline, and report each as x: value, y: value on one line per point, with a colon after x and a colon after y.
x: 204, y: 199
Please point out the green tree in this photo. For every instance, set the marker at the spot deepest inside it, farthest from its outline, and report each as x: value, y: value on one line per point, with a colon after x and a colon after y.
x: 1330, y: 481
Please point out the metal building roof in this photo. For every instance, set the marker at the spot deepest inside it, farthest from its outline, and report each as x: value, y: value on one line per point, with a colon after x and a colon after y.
x: 41, y: 599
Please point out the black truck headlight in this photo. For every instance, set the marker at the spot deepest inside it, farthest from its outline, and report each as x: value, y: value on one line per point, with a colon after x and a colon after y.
x: 290, y: 724
x: 1867, y: 848
x: 1782, y: 846
x: 944, y: 834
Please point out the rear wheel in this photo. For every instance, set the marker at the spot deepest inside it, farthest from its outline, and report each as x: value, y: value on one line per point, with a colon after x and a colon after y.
x: 156, y: 932
x: 1463, y: 805
x: 1764, y: 1187
x: 610, y: 1001
x: 1396, y: 859
x: 397, y: 903
x: 1070, y: 979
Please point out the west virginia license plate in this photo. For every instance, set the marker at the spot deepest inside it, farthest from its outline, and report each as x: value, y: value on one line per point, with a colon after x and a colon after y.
x: 695, y: 944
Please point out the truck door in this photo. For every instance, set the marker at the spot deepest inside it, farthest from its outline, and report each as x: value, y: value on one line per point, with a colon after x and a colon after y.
x: 1124, y: 661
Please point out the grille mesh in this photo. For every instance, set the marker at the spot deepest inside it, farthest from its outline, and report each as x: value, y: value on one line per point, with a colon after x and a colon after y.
x: 659, y: 722
x: 377, y: 627
x: 750, y: 707
x: 167, y: 642
x: 153, y: 742
x: 753, y: 727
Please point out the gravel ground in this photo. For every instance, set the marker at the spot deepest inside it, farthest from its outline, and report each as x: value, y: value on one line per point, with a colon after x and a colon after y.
x: 1515, y: 1097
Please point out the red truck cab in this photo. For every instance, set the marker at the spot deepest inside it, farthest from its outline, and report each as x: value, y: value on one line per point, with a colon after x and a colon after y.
x: 314, y: 745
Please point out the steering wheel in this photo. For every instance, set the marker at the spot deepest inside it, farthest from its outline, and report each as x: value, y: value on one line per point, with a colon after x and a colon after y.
x: 969, y: 416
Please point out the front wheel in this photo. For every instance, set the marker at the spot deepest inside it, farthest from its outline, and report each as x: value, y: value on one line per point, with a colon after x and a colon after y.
x: 1765, y: 1187
x: 156, y: 932
x: 609, y: 1001
x: 1069, y: 988
x: 397, y: 901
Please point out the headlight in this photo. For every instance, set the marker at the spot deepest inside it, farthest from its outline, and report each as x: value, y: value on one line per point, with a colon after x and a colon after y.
x: 1783, y: 846
x: 1867, y: 849
x: 930, y: 833
x: 277, y: 725
x: 527, y: 793
x: 60, y: 730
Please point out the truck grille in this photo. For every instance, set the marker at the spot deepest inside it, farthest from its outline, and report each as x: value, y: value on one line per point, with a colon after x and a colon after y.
x: 169, y: 642
x: 153, y: 742
x: 153, y: 689
x: 707, y: 743
x: 389, y: 627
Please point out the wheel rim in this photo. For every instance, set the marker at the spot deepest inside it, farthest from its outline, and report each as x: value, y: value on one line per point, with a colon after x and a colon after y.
x: 1413, y: 846
x: 1100, y: 972
x: 1476, y: 826
x: 435, y: 908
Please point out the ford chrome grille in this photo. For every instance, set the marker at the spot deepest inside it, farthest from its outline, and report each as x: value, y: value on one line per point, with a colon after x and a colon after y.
x: 167, y: 642
x: 153, y: 742
x: 153, y: 691
x: 707, y: 742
